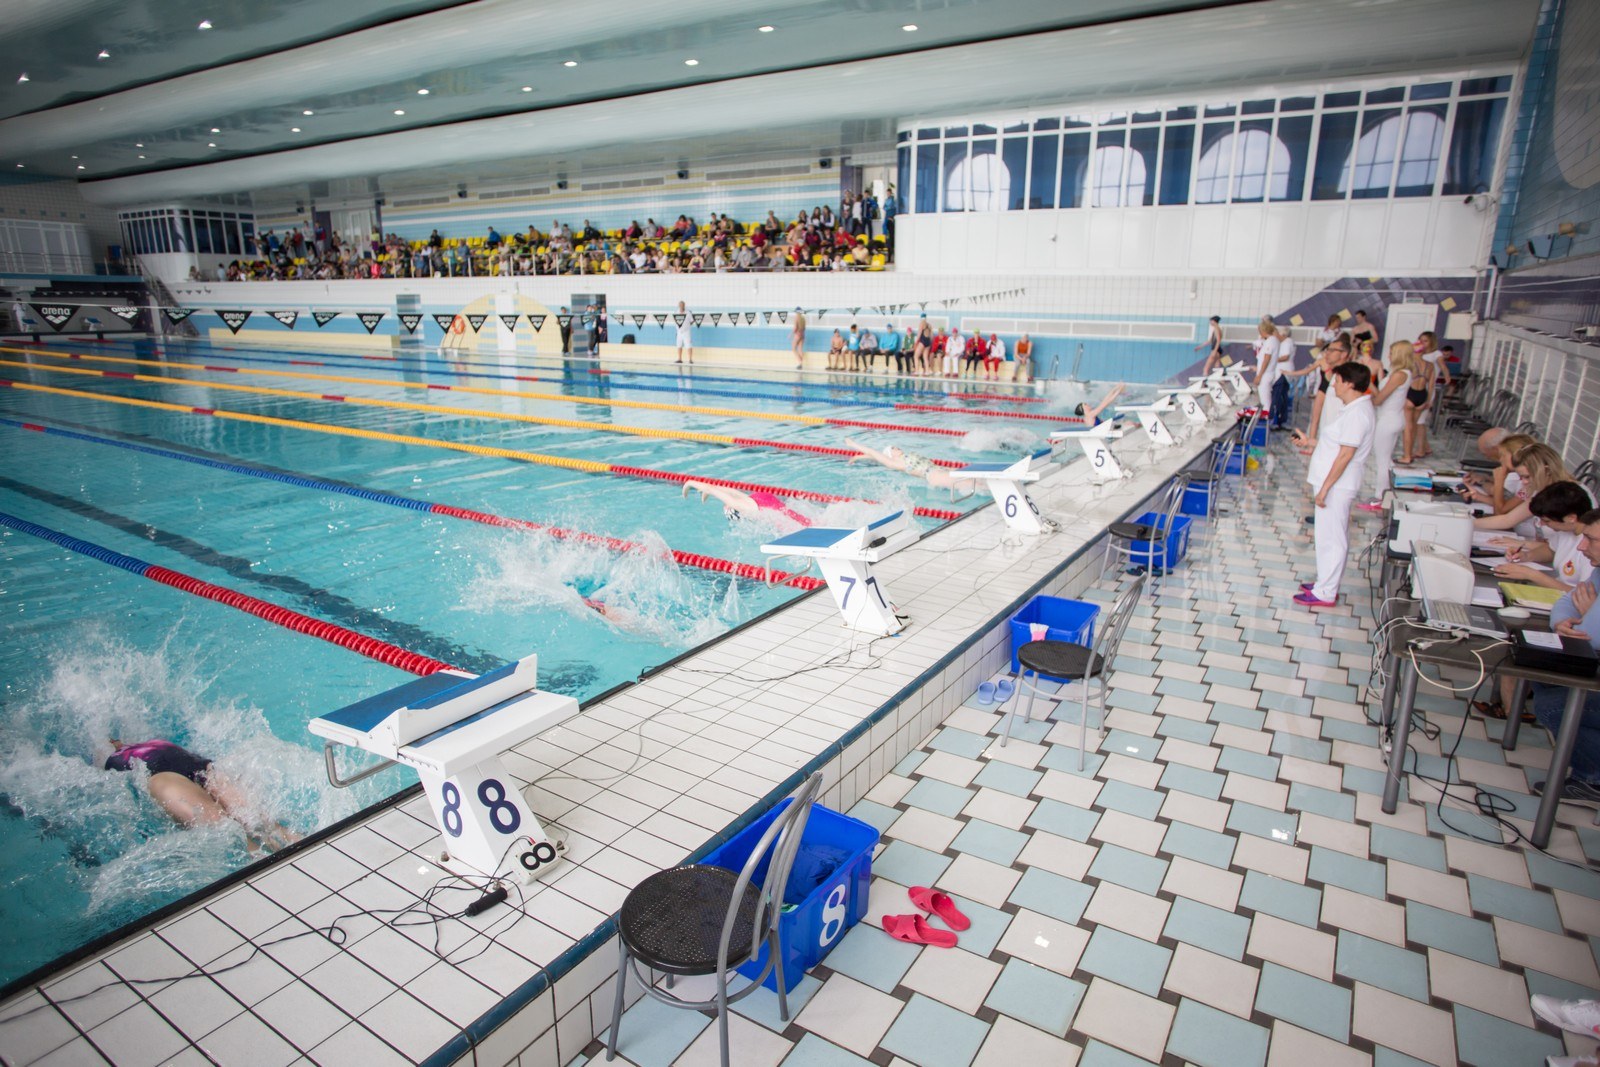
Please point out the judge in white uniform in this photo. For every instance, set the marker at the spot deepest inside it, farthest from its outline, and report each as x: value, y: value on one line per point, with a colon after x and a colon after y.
x: 1337, y: 458
x: 1266, y: 350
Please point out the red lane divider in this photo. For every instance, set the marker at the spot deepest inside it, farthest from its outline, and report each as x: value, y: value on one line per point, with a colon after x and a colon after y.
x: 987, y: 414
x: 901, y: 428
x: 371, y: 647
x: 999, y: 399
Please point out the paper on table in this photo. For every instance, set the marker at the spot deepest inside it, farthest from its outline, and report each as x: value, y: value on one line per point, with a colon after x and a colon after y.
x: 1541, y: 639
x: 1481, y: 539
x: 1487, y: 597
x: 1499, y: 561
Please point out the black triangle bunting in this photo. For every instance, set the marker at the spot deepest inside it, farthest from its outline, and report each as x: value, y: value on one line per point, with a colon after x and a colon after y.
x: 661, y: 320
x: 370, y: 319
x: 564, y: 321
x: 176, y: 315
x: 410, y: 320
x: 537, y: 321
x: 749, y: 318
x: 716, y: 318
x: 697, y: 318
x: 125, y: 312
x: 638, y: 322
x: 57, y: 315
x: 233, y: 320
x: 678, y: 319
x: 476, y: 322
x: 444, y: 322
x: 286, y: 317
x: 766, y: 318
x: 783, y: 316
x: 322, y: 318
x: 510, y: 321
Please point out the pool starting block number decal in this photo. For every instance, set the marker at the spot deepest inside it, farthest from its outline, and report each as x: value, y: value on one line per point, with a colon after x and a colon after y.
x: 871, y: 582
x: 486, y: 824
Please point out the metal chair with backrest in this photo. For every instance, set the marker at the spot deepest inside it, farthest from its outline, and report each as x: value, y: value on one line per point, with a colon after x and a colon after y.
x: 1071, y: 662
x: 1143, y: 543
x: 701, y: 919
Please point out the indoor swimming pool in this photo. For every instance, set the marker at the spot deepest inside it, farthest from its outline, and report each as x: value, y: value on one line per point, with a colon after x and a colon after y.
x: 339, y: 487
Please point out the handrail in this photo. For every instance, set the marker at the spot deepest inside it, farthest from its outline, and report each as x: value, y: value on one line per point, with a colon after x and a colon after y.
x: 345, y: 783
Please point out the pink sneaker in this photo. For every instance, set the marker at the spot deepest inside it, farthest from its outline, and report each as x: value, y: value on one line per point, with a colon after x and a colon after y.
x: 1370, y: 505
x: 1306, y: 587
x: 1309, y: 599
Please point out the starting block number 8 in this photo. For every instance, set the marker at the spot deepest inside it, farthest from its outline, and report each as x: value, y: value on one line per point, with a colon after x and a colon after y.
x: 503, y: 815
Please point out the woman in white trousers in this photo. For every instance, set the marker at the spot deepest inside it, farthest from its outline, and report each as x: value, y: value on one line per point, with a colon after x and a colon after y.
x: 1266, y: 349
x: 1390, y: 402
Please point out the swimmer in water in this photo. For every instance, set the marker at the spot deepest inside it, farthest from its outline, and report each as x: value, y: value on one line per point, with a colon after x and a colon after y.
x: 1091, y: 415
x: 739, y: 504
x: 192, y: 790
x: 898, y: 459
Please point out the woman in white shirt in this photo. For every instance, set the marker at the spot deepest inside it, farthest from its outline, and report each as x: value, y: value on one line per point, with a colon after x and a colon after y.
x: 1390, y: 400
x: 1266, y: 350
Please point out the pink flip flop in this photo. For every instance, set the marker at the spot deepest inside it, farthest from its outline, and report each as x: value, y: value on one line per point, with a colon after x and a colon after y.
x: 939, y: 905
x: 915, y: 930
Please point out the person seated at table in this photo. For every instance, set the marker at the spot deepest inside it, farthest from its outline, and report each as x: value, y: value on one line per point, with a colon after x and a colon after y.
x: 1556, y: 508
x: 898, y: 459
x: 1091, y: 415
x: 1537, y: 466
x: 1500, y: 492
x: 1577, y: 615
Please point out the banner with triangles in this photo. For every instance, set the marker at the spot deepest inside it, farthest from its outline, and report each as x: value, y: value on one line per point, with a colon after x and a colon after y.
x: 538, y: 322
x: 766, y: 318
x: 476, y: 322
x: 322, y: 318
x: 716, y: 319
x: 510, y: 321
x: 444, y: 322
x: 697, y: 318
x: 564, y: 321
x: 370, y: 319
x: 749, y: 318
x: 286, y: 317
x: 783, y: 316
x: 177, y: 315
x: 57, y: 315
x: 125, y: 312
x: 233, y: 320
x: 410, y: 320
x: 661, y: 319
x: 638, y: 322
x: 678, y: 320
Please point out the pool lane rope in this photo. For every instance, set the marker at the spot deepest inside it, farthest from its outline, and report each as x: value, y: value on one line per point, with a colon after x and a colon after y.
x: 587, y: 466
x: 559, y: 398
x: 371, y: 647
x: 614, y: 544
x: 683, y: 383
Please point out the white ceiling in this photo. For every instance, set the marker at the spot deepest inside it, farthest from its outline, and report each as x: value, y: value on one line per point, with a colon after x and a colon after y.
x: 832, y: 77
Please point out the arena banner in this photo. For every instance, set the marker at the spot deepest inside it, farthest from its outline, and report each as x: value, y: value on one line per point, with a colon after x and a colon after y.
x: 638, y: 322
x: 510, y: 321
x: 661, y: 320
x: 126, y: 312
x: 564, y: 320
x: 476, y: 322
x: 234, y: 320
x: 177, y: 315
x: 716, y: 318
x: 370, y: 319
x: 324, y: 317
x: 750, y: 318
x: 410, y: 320
x: 57, y: 315
x: 286, y: 317
x: 697, y: 318
x: 537, y: 321
x: 444, y: 321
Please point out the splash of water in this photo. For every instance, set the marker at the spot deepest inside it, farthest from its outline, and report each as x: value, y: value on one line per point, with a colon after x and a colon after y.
x: 1004, y: 439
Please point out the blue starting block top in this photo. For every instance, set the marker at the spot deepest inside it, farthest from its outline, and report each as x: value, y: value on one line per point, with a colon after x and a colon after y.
x: 813, y: 537
x: 364, y: 715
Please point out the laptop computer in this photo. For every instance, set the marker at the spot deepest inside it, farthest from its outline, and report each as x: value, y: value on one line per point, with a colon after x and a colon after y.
x: 1456, y: 615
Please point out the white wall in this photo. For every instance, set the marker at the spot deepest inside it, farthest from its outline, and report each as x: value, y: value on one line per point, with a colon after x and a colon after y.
x: 59, y: 202
x: 27, y: 245
x: 1434, y: 235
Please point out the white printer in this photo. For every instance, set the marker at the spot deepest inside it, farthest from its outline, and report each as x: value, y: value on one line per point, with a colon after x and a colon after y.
x: 1443, y: 572
x: 1442, y: 522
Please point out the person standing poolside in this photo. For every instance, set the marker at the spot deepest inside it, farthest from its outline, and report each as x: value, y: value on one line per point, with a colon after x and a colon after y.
x: 1334, y: 474
x: 1266, y: 349
x: 1390, y: 401
x: 797, y: 338
x: 685, y: 334
x: 1212, y: 344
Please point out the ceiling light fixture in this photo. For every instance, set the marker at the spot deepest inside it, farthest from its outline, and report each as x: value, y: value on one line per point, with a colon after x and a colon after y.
x: 570, y: 63
x: 22, y: 77
x: 103, y: 54
x: 910, y: 27
x: 215, y: 130
x: 527, y: 88
x: 141, y: 157
x: 80, y: 166
x: 308, y: 112
x: 764, y: 29
x: 422, y: 92
x: 74, y: 157
x: 294, y: 129
x: 21, y: 167
x: 398, y: 111
x: 205, y: 24
x: 138, y: 144
x: 691, y: 62
x: 211, y: 144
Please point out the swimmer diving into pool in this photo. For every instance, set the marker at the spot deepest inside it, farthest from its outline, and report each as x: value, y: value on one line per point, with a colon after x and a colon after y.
x: 736, y: 503
x: 192, y: 790
x: 898, y: 459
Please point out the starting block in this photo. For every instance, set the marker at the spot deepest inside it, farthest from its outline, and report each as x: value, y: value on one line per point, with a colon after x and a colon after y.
x: 1095, y: 442
x: 1233, y: 374
x: 1214, y: 386
x: 1005, y: 481
x: 452, y: 728
x: 1150, y: 419
x: 846, y: 558
x: 1188, y: 401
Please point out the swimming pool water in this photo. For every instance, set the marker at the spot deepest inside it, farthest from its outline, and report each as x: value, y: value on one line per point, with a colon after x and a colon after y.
x: 89, y: 652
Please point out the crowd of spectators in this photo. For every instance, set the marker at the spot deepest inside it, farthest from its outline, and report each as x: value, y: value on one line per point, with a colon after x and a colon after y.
x: 858, y: 236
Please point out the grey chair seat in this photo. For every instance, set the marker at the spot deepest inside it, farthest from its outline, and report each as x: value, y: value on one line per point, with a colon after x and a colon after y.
x: 1136, y: 531
x: 1060, y: 659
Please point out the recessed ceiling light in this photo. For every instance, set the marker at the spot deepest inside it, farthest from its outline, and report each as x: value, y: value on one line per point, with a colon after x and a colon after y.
x: 398, y: 111
x: 211, y: 144
x: 308, y: 112
x: 80, y: 166
x: 74, y: 157
x: 103, y: 54
x: 20, y: 167
x: 22, y: 78
x: 141, y: 157
x: 910, y: 27
x: 527, y: 88
x: 570, y: 63
x: 138, y: 144
x: 691, y: 62
x: 215, y: 130
x: 294, y: 129
x: 422, y: 92
x: 205, y: 24
x: 764, y: 29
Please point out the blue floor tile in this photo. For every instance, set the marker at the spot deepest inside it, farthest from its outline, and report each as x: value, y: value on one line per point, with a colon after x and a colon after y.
x: 1248, y: 718
x: 866, y: 955
x: 1050, y: 894
x: 1065, y: 758
x: 1127, y: 868
x: 1449, y: 932
x: 1357, y: 875
x: 812, y: 1051
x: 1198, y: 843
x: 908, y: 766
x: 1263, y: 822
x: 1007, y: 778
x: 1381, y: 964
x: 1224, y: 676
x: 1306, y: 748
x: 909, y: 865
x: 1203, y: 926
x: 930, y: 794
x: 1341, y: 806
x: 1129, y: 700
x: 959, y: 742
x: 1200, y: 733
x: 1126, y: 960
x: 762, y: 1005
x: 1206, y: 1037
x: 1287, y: 900
x: 1486, y: 1041
x: 1307, y: 1002
x: 1135, y: 800
x: 1063, y: 820
x: 1192, y: 780
x: 1124, y: 743
x: 1388, y: 1057
x: 1356, y: 732
x: 987, y: 841
x: 988, y: 927
x: 1036, y: 996
x: 1527, y: 906
x: 931, y: 1034
x: 878, y: 816
x: 653, y: 1034
x: 1246, y: 762
x: 1411, y: 848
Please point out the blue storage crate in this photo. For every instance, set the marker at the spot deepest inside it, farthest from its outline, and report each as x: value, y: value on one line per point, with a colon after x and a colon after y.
x: 1258, y: 438
x: 1168, y: 552
x: 1069, y: 620
x: 1197, y: 499
x: 820, y: 911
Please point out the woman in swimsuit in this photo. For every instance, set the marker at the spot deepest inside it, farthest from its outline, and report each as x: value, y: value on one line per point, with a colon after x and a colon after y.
x: 1091, y: 415
x: 1364, y: 332
x: 898, y: 459
x: 191, y: 790
x: 737, y: 503
x: 1212, y: 344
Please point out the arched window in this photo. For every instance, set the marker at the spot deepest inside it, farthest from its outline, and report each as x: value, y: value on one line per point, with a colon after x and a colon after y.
x: 1256, y: 162
x: 978, y: 183
x: 1108, y: 185
x: 1414, y: 140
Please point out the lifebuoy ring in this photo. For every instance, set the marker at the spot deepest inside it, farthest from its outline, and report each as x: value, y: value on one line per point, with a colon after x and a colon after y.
x: 459, y: 325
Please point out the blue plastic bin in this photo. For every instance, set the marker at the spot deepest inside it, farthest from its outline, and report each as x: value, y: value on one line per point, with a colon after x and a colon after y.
x: 1167, y: 553
x: 1197, y: 499
x: 820, y: 915
x: 1069, y: 620
x: 1258, y: 438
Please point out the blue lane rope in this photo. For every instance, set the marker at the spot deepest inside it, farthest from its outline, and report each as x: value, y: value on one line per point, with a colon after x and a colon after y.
x: 86, y: 548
